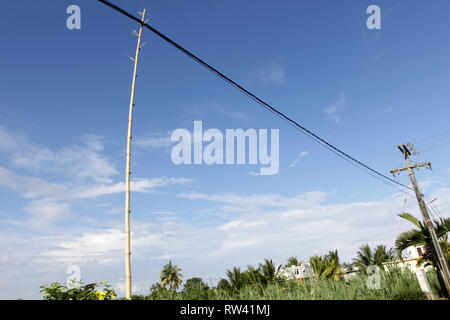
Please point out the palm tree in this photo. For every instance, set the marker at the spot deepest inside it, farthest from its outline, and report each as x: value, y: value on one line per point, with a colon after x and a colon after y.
x: 373, y: 257
x: 252, y: 276
x: 269, y: 271
x: 422, y: 236
x: 317, y: 265
x: 236, y: 279
x: 292, y: 261
x: 327, y: 266
x: 333, y: 255
x: 170, y: 275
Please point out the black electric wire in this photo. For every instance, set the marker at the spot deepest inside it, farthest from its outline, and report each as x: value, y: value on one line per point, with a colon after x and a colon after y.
x: 264, y: 104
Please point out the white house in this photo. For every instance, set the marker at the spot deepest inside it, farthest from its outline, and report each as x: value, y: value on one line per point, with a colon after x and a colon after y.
x: 302, y: 271
x: 410, y: 256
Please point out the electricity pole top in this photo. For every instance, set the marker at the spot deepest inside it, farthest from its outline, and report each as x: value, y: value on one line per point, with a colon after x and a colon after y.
x: 407, y: 153
x: 437, y: 252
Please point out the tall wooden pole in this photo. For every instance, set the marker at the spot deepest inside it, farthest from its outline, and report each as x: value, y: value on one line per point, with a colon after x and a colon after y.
x: 127, y: 174
x: 442, y: 264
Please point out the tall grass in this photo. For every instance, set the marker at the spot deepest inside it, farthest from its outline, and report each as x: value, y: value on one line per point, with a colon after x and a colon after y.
x: 393, y: 285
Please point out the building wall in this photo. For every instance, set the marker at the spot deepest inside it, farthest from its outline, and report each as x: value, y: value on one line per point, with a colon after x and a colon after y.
x: 297, y: 272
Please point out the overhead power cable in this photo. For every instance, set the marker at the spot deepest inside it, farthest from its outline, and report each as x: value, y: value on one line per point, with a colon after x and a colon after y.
x: 264, y: 104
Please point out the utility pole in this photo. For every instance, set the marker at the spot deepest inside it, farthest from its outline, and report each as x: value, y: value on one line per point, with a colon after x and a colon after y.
x: 127, y: 174
x: 442, y: 264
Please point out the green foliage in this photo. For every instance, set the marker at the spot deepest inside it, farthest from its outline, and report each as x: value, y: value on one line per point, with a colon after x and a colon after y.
x: 264, y: 283
x: 78, y: 291
x: 252, y: 276
x: 236, y: 279
x: 395, y: 284
x: 373, y: 257
x: 170, y: 275
x: 421, y: 236
x: 156, y: 290
x: 223, y: 286
x: 327, y: 266
x: 292, y: 261
x: 196, y: 289
x: 269, y: 272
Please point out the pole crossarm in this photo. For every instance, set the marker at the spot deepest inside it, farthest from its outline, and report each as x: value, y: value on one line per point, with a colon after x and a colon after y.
x: 415, y: 166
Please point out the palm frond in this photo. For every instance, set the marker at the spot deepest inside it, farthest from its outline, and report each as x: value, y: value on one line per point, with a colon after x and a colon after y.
x: 412, y: 219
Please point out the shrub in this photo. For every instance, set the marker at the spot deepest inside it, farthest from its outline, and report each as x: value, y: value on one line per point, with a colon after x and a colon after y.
x: 78, y: 291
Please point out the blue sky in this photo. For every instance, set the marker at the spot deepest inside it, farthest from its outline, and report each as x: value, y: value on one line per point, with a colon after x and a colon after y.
x: 63, y: 118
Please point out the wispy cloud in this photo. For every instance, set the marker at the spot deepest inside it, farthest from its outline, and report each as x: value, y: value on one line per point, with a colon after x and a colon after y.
x: 82, y: 172
x: 45, y: 212
x: 154, y: 141
x: 250, y: 202
x: 30, y: 187
x: 7, y: 141
x: 136, y: 185
x: 272, y: 74
x: 234, y: 114
x: 200, y: 109
x: 301, y: 155
x: 380, y: 54
x: 333, y: 110
x: 82, y: 161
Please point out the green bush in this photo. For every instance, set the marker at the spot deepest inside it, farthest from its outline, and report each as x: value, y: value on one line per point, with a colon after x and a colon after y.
x: 78, y: 291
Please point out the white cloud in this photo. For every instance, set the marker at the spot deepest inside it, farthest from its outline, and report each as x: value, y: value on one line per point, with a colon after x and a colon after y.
x: 121, y: 287
x: 272, y: 74
x: 7, y: 141
x: 30, y: 187
x: 154, y: 141
x: 44, y: 212
x: 137, y: 185
x: 336, y: 107
x: 101, y: 246
x: 234, y: 114
x: 251, y: 202
x: 200, y: 109
x: 275, y: 227
x: 82, y: 172
x: 83, y: 161
x: 301, y: 155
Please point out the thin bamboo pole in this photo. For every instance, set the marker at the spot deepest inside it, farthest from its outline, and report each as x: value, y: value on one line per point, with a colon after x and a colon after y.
x: 127, y: 174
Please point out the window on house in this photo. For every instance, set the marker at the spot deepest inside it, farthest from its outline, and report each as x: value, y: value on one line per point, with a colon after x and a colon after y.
x: 419, y: 251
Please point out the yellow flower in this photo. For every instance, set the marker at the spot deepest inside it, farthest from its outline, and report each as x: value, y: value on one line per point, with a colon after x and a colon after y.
x: 102, y: 295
